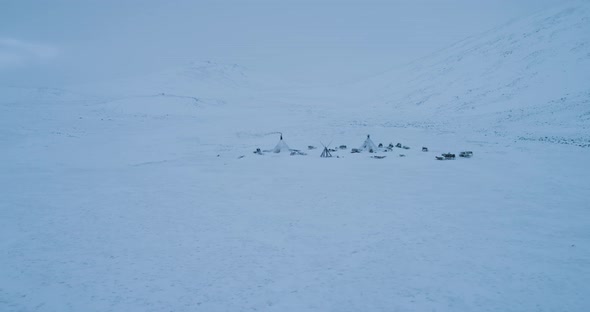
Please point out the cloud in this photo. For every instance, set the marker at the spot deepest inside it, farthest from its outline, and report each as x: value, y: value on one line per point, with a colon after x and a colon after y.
x: 14, y: 52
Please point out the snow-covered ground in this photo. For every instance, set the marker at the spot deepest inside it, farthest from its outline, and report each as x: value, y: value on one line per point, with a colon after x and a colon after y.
x: 134, y: 195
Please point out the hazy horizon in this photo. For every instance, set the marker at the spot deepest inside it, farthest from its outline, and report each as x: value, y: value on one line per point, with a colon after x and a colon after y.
x: 56, y: 43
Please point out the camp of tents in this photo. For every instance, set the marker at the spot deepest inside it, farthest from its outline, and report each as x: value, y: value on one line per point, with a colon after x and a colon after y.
x: 367, y: 146
x: 282, y: 147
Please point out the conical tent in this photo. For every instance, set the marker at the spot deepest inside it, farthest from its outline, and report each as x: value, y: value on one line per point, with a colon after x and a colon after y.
x: 369, y: 145
x: 326, y: 153
x: 281, y: 147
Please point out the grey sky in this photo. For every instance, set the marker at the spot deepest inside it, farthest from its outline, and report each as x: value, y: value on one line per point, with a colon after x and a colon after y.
x: 61, y: 42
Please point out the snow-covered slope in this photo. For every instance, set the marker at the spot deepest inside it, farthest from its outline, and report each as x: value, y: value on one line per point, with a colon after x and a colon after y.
x: 527, y: 79
x: 204, y: 79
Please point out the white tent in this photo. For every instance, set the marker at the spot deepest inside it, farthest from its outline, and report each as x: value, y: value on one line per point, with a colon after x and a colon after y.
x: 281, y: 147
x: 369, y: 145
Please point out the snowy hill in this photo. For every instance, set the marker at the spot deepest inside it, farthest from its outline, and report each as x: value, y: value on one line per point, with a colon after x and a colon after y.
x: 196, y: 79
x: 527, y: 79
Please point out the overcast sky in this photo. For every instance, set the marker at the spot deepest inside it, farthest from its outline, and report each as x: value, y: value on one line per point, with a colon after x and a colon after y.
x: 60, y: 42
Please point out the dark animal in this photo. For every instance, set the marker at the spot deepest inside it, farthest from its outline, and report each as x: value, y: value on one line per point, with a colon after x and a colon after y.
x: 448, y: 156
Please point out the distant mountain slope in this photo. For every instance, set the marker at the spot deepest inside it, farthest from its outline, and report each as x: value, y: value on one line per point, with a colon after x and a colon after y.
x: 529, y: 78
x: 203, y: 79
